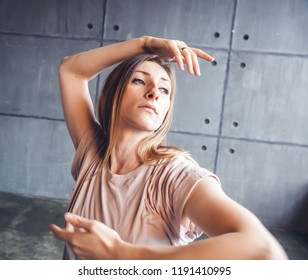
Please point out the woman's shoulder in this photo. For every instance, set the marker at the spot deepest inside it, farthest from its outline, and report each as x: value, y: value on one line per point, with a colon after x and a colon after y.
x: 184, y: 164
x: 179, y: 161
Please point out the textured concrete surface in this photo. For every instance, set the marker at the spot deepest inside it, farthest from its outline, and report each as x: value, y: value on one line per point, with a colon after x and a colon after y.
x: 194, y: 21
x: 203, y: 148
x: 279, y: 26
x: 267, y: 97
x: 29, y: 87
x: 81, y: 19
x: 25, y: 234
x: 244, y: 119
x: 37, y: 157
x: 269, y: 179
x: 199, y: 99
x: 24, y: 227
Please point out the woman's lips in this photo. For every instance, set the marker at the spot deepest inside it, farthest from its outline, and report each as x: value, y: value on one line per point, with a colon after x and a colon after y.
x: 149, y: 108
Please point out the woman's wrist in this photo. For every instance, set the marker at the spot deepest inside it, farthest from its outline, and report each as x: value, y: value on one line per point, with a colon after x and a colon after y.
x: 128, y: 251
x: 145, y: 44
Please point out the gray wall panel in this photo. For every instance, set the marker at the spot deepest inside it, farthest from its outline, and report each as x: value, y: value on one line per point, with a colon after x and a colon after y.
x: 196, y: 21
x: 201, y: 148
x: 198, y: 101
x: 73, y: 18
x: 268, y: 98
x: 30, y: 86
x: 36, y: 157
x: 270, y: 180
x: 274, y: 26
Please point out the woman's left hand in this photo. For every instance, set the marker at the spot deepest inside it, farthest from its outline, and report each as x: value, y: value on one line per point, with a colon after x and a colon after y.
x: 176, y: 51
x: 90, y: 238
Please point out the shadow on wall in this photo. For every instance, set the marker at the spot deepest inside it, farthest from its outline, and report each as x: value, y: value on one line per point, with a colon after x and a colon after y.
x: 300, y: 213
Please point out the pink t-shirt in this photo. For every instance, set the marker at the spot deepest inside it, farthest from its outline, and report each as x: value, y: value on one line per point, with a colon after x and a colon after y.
x: 145, y: 206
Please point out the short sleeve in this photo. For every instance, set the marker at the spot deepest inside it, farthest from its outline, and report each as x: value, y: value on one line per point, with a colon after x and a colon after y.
x: 187, y: 176
x: 89, y: 146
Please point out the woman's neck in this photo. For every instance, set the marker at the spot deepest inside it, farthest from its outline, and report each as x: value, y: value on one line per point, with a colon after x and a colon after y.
x: 124, y: 157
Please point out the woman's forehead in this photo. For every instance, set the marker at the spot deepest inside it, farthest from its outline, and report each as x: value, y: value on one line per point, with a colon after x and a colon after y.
x: 153, y: 69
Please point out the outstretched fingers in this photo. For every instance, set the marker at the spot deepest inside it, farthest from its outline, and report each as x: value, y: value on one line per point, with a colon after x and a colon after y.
x: 191, y: 61
x: 174, y: 46
x: 177, y: 51
x: 188, y: 59
x: 190, y: 56
x: 203, y: 55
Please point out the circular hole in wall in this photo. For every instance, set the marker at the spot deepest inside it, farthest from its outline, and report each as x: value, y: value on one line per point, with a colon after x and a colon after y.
x: 214, y: 62
x: 203, y: 148
x: 231, y: 151
x: 246, y: 37
x: 116, y: 27
x: 90, y: 25
x: 243, y: 65
x: 216, y: 34
x: 207, y: 121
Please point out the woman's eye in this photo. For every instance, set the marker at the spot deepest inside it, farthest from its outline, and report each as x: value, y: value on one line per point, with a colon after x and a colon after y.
x: 165, y: 91
x: 138, y: 81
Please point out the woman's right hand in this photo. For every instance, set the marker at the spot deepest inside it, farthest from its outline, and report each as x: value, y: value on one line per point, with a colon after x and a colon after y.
x: 89, y: 239
x: 176, y: 51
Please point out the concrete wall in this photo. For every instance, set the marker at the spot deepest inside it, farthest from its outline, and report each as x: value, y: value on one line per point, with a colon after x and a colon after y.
x: 245, y: 118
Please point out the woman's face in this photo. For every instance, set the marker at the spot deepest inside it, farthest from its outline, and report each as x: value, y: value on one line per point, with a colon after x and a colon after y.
x: 146, y: 99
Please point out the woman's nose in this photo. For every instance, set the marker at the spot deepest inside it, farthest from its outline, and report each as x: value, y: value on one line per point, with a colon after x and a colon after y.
x: 153, y: 93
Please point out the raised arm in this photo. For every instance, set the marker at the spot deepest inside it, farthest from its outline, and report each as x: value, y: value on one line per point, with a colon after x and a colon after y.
x: 74, y: 74
x: 76, y: 71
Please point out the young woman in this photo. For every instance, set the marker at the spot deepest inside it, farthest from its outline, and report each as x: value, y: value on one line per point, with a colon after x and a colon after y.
x: 135, y: 197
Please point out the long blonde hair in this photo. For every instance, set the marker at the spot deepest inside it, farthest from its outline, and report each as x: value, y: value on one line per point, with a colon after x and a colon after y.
x: 152, y: 149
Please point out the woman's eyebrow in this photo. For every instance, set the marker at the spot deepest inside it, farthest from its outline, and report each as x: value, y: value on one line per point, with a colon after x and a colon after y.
x: 148, y: 74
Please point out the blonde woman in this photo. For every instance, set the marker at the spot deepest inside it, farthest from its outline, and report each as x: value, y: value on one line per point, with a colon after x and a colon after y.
x: 135, y: 197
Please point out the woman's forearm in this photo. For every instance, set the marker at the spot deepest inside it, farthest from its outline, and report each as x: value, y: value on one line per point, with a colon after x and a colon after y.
x: 90, y: 63
x: 97, y: 241
x: 227, y: 246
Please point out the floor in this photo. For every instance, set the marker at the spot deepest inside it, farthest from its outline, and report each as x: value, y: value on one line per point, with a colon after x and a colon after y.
x: 25, y: 234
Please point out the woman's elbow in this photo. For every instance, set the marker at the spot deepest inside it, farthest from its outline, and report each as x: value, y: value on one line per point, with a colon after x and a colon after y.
x: 63, y: 65
x: 270, y: 249
x: 275, y: 253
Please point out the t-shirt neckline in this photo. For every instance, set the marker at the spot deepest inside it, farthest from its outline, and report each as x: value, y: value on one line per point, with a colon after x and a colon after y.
x: 122, y: 177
